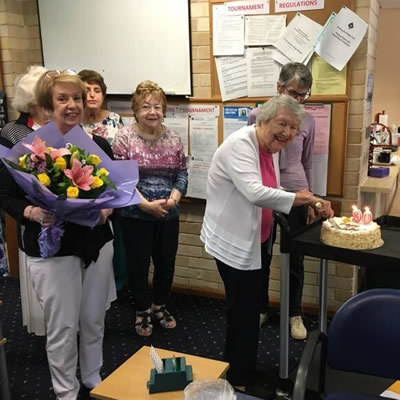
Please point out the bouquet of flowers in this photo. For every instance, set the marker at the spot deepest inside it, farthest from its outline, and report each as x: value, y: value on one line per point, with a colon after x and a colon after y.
x: 70, y: 176
x: 67, y: 172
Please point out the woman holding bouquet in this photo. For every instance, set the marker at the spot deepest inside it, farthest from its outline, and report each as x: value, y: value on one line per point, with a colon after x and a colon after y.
x: 150, y: 229
x: 76, y: 285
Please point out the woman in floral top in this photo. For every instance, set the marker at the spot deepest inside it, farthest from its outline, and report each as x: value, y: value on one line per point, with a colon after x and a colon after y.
x: 151, y: 228
x: 97, y: 120
x: 100, y: 122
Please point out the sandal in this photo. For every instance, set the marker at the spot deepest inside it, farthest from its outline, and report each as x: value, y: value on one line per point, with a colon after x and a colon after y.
x: 143, y: 325
x: 165, y: 319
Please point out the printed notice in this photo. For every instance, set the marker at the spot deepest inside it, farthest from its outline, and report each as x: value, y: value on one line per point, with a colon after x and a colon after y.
x: 340, y: 39
x: 262, y: 30
x: 298, y: 40
x: 235, y: 117
x: 322, y: 118
x: 228, y: 31
x: 326, y: 79
x: 232, y: 77
x: 262, y: 71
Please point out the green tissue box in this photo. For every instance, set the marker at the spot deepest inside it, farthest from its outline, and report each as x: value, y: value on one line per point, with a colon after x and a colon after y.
x: 174, y: 377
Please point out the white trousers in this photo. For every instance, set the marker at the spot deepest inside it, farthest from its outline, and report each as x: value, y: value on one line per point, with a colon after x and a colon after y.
x: 74, y: 299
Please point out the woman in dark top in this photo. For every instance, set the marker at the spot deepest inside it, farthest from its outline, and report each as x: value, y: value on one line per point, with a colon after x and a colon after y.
x: 76, y: 285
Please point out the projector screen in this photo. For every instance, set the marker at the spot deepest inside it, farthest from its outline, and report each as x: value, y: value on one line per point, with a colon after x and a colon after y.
x: 126, y: 41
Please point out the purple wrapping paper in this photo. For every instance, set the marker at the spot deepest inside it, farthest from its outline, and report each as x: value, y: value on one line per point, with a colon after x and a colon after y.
x: 124, y: 174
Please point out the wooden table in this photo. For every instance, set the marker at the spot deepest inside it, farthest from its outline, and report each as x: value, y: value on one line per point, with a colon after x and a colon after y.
x: 129, y: 381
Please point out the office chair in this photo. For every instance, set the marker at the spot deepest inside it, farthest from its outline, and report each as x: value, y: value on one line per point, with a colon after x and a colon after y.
x: 363, y: 337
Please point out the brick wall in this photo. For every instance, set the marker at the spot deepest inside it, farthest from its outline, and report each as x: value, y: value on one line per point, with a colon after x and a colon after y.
x: 19, y: 42
x: 195, y: 269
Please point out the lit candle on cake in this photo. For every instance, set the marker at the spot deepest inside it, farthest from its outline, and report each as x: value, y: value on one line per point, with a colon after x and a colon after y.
x: 367, y: 216
x: 356, y: 215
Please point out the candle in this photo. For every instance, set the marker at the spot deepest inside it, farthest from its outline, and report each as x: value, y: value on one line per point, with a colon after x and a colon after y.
x: 356, y: 215
x: 367, y: 216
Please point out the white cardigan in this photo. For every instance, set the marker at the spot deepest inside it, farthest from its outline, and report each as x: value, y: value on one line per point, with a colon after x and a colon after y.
x: 231, y: 229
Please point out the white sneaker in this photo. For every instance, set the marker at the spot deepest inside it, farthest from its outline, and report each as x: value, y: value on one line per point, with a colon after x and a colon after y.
x: 263, y: 318
x: 297, y: 329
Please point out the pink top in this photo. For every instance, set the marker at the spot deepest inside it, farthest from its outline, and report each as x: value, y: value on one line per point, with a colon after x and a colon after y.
x: 268, y: 179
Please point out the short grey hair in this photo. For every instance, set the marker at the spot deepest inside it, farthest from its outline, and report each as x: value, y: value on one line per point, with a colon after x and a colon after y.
x: 270, y: 108
x: 24, y: 93
x: 296, y: 73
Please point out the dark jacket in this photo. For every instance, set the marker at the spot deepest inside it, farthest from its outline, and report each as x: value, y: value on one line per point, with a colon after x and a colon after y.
x: 78, y: 240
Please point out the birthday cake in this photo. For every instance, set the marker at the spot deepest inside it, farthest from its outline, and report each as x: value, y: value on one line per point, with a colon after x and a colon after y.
x: 345, y: 233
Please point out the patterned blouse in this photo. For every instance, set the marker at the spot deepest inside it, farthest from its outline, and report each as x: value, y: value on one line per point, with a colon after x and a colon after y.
x: 162, y: 167
x: 107, y: 128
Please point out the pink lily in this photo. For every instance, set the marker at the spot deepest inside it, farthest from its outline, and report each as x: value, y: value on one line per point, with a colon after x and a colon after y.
x: 38, y: 148
x: 80, y: 176
x: 58, y: 153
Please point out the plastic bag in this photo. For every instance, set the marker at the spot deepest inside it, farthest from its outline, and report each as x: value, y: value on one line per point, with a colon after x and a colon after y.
x: 209, y: 389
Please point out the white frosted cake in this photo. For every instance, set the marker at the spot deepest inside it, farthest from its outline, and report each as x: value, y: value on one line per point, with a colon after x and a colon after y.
x: 343, y: 232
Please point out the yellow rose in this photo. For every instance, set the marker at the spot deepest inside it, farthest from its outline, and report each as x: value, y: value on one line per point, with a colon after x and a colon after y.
x: 72, y: 192
x: 103, y: 171
x: 93, y: 159
x: 44, y: 179
x: 22, y: 161
x: 97, y: 183
x: 61, y: 163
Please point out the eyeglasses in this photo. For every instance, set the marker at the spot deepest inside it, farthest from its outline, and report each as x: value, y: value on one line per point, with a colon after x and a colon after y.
x: 296, y: 95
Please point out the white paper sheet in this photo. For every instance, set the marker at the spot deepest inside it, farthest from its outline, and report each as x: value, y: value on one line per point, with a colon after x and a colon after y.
x: 340, y: 39
x: 228, y: 33
x: 299, y: 38
x: 197, y: 178
x: 203, y: 135
x: 262, y: 71
x: 181, y: 126
x: 232, y: 77
x: 262, y: 30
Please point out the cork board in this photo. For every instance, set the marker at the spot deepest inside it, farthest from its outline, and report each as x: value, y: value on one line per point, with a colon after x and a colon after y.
x: 340, y: 103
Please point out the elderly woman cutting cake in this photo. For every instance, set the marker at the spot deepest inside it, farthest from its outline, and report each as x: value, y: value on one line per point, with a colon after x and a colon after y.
x: 242, y: 191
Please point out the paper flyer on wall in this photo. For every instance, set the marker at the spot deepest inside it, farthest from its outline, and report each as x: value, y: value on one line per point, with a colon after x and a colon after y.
x: 262, y: 71
x: 203, y: 134
x: 180, y: 125
x: 298, y: 40
x: 232, y: 77
x: 341, y: 38
x: 326, y: 79
x: 263, y: 30
x: 235, y: 117
x: 228, y: 33
x: 322, y: 117
x: 197, y: 177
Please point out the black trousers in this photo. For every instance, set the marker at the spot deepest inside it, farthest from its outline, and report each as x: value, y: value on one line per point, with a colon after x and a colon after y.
x: 142, y: 240
x: 242, y: 292
x: 297, y: 219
